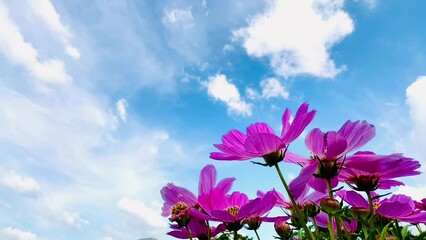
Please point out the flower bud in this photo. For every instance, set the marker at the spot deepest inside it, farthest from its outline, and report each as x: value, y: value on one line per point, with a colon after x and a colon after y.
x: 253, y: 223
x: 359, y: 213
x: 283, y: 229
x: 311, y: 209
x: 329, y: 205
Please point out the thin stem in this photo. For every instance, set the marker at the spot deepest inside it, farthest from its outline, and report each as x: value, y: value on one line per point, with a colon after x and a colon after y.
x: 189, y: 232
x: 370, y: 201
x: 419, y: 228
x: 257, y: 235
x: 338, y: 224
x: 330, y: 227
x: 209, y: 231
x: 295, y: 206
x: 316, y: 227
x: 235, y: 235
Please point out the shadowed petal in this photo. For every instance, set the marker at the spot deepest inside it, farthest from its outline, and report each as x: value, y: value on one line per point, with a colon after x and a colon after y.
x: 223, y: 216
x: 354, y: 199
x: 295, y: 158
x: 336, y: 145
x: 300, y: 183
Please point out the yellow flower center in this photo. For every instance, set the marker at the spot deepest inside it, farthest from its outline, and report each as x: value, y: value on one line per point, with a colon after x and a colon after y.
x: 178, y: 208
x: 376, y: 206
x: 233, y: 210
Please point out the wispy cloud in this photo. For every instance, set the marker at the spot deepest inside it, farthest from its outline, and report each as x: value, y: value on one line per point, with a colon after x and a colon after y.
x: 14, y: 46
x: 297, y: 36
x: 23, y: 185
x: 16, y: 234
x: 223, y: 90
x: 47, y: 13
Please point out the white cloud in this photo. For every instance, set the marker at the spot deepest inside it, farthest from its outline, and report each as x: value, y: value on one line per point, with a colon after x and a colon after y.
x: 73, y: 219
x: 47, y: 13
x: 22, y: 185
x: 271, y: 87
x: 297, y: 36
x: 368, y: 3
x: 221, y: 89
x: 121, y: 106
x: 142, y: 211
x: 19, y: 51
x: 417, y: 193
x: 416, y: 100
x: 16, y: 234
x: 182, y: 17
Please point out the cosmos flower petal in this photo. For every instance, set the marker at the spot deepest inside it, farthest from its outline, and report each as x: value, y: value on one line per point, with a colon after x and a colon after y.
x: 336, y: 145
x: 300, y: 121
x: 225, y: 184
x: 292, y: 157
x: 207, y: 179
x: 314, y: 141
x: 234, y: 138
x: 257, y: 128
x: 173, y: 194
x: 238, y: 199
x: 353, y: 198
x: 357, y: 134
x: 223, y: 216
x: 263, y: 143
x: 300, y: 183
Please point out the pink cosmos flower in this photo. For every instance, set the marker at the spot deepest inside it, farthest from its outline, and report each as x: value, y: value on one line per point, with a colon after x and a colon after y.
x: 367, y: 171
x: 178, y: 200
x: 328, y: 152
x: 198, y: 228
x: 421, y: 205
x: 398, y: 206
x: 233, y: 210
x: 260, y: 139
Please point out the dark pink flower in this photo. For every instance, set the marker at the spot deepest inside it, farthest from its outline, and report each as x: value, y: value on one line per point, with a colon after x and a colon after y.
x: 398, y: 206
x: 233, y: 210
x: 328, y: 152
x: 198, y: 228
x: 366, y: 171
x: 178, y: 200
x: 260, y: 139
x: 421, y: 205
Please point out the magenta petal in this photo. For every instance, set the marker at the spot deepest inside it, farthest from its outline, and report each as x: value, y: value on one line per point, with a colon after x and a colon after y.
x: 238, y: 199
x: 295, y: 158
x: 354, y: 199
x: 336, y: 145
x: 300, y: 183
x: 218, y: 200
x: 263, y: 143
x: 394, y: 210
x: 173, y: 194
x: 223, y: 216
x: 178, y: 234
x: 320, y: 184
x: 285, y: 122
x: 419, y: 217
x: 234, y: 138
x: 257, y: 128
x: 207, y: 179
x: 225, y: 184
x: 198, y: 215
x: 301, y: 120
x: 357, y: 134
x: 315, y: 142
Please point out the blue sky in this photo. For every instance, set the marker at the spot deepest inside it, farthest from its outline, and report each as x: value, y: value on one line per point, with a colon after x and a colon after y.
x: 102, y: 103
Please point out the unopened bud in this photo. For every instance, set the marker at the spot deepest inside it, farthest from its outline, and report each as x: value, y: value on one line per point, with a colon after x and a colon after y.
x: 283, y: 229
x: 330, y: 205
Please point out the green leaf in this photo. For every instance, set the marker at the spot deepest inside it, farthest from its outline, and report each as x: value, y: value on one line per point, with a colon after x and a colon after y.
x: 384, y: 232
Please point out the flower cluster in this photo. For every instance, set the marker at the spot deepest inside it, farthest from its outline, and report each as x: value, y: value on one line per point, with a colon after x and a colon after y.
x: 317, y: 205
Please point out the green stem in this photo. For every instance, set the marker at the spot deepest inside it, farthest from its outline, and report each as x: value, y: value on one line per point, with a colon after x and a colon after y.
x: 209, y: 231
x: 235, y: 235
x: 316, y: 227
x: 189, y: 232
x: 257, y: 235
x: 295, y: 206
x: 338, y: 224
x: 370, y: 220
x: 330, y: 227
x: 419, y: 228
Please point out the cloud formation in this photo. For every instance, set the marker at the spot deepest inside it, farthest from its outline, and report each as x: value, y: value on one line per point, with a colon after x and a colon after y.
x: 221, y: 89
x: 23, y: 185
x: 16, y: 234
x: 297, y: 36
